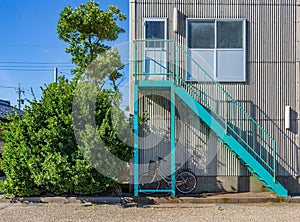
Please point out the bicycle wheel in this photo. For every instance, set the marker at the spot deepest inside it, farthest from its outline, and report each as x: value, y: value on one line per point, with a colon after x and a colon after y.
x: 186, y: 181
x: 148, y: 181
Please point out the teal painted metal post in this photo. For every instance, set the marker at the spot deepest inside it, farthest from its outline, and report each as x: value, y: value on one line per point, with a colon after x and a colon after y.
x: 275, y: 158
x: 173, y: 141
x: 135, y: 71
x: 136, y: 141
x: 175, y: 63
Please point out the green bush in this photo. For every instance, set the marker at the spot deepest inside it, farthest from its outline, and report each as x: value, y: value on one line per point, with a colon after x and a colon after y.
x: 41, y: 156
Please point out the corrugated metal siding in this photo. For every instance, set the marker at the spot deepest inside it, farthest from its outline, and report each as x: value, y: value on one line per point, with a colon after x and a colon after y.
x: 154, y: 134
x: 271, y: 64
x: 197, y: 148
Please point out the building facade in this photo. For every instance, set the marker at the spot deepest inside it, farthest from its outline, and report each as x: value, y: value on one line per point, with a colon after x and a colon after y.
x: 5, y: 110
x: 238, y: 59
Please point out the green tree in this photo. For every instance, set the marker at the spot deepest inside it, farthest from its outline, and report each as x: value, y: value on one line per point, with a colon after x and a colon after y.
x: 85, y: 29
x: 41, y: 154
x: 102, y: 130
x: 106, y: 66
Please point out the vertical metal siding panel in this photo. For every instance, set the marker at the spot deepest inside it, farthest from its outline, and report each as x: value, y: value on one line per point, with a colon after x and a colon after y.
x: 152, y: 141
x: 296, y: 85
x: 141, y: 14
x: 149, y: 9
x: 195, y: 143
x: 287, y: 152
x: 170, y: 11
x: 272, y: 79
x: 159, y: 9
x: 152, y: 8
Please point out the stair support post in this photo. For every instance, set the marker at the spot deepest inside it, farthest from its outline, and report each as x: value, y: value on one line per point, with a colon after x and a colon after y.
x: 176, y: 73
x: 173, y: 139
x: 274, y: 159
x: 136, y: 141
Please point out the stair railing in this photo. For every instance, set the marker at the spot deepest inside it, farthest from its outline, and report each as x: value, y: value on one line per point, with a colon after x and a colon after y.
x: 166, y: 60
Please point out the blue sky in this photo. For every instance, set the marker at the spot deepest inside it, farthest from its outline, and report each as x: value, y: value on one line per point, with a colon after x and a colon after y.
x: 29, y: 42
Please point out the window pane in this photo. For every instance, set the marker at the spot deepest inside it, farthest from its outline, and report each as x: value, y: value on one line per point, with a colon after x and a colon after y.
x: 204, y: 58
x: 155, y: 30
x: 201, y: 34
x: 230, y: 34
x: 230, y: 66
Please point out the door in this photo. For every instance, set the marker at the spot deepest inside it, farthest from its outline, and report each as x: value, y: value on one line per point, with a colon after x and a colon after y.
x: 156, y: 56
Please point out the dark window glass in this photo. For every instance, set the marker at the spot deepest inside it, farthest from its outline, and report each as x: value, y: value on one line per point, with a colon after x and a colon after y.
x: 229, y: 34
x: 155, y: 30
x: 201, y: 34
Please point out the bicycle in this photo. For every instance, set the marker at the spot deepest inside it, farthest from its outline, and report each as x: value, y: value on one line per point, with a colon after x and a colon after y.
x: 186, y: 180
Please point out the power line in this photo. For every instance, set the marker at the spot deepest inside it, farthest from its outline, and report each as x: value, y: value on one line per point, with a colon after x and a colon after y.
x: 19, y: 92
x: 36, y: 66
x: 34, y: 46
x: 31, y: 70
x: 40, y: 63
x: 8, y: 87
x: 15, y: 87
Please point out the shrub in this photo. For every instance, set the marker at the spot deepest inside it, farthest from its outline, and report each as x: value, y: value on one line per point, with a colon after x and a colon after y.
x: 40, y: 154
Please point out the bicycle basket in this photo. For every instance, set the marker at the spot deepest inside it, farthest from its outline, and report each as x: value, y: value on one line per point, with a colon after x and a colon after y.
x: 152, y: 165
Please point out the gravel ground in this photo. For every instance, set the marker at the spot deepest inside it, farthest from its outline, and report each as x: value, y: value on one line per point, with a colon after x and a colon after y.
x: 165, y: 212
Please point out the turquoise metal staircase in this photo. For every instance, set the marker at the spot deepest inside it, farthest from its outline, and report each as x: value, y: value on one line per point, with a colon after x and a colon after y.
x: 236, y: 129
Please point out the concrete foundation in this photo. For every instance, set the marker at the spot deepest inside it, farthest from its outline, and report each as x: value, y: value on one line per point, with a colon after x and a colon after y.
x: 229, y: 184
x: 234, y: 184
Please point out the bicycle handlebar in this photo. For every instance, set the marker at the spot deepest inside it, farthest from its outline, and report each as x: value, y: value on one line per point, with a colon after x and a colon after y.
x: 161, y: 158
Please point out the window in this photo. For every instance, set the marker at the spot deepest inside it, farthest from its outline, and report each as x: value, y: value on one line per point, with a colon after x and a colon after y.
x: 201, y: 34
x: 155, y: 29
x: 156, y: 56
x: 219, y: 47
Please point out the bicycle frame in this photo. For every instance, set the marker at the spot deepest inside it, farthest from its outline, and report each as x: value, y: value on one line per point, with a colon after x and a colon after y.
x: 165, y: 178
x: 157, y: 174
x: 162, y: 176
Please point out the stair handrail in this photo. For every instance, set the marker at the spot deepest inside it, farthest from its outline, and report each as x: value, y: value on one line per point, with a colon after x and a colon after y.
x: 244, y: 142
x: 178, y: 79
x: 247, y: 115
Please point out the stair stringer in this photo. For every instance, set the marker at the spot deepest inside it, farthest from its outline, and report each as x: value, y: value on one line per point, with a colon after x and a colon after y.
x: 236, y: 147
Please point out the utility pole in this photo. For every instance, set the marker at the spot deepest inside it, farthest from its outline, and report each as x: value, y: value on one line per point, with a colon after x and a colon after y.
x: 20, y: 101
x: 55, y: 74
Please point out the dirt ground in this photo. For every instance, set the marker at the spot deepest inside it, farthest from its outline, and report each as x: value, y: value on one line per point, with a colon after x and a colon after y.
x: 163, y: 212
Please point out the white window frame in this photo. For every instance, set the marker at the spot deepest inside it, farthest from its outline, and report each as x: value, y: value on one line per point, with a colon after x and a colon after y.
x: 165, y: 20
x: 157, y: 49
x: 216, y: 50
